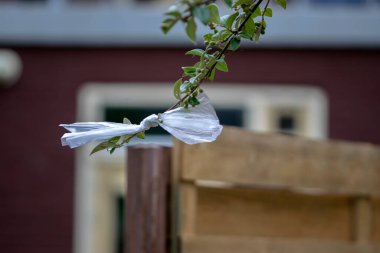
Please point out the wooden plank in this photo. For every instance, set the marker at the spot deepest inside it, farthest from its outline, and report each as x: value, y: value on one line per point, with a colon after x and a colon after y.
x: 268, y: 213
x: 363, y: 220
x: 146, y: 205
x: 243, y: 157
x: 228, y: 244
x: 188, y: 210
x: 376, y: 221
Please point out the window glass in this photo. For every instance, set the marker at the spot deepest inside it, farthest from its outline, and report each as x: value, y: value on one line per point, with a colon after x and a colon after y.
x: 227, y: 116
x: 288, y: 120
x: 286, y: 123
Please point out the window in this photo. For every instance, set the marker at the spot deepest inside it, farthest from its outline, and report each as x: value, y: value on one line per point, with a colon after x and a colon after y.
x: 287, y: 120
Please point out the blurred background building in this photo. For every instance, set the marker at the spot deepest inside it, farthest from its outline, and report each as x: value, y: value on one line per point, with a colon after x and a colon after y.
x: 315, y: 73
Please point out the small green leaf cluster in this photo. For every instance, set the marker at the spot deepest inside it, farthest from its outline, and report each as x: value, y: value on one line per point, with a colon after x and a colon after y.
x: 207, y: 13
x: 247, y: 21
x: 188, y: 85
x: 188, y: 11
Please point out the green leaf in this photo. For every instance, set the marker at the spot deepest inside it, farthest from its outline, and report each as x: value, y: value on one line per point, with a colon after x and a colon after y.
x: 176, y: 89
x: 228, y: 3
x: 196, y: 52
x: 268, y: 12
x: 126, y: 121
x: 246, y: 36
x: 223, y: 34
x: 141, y: 135
x: 101, y: 146
x: 189, y: 71
x: 220, y: 36
x: 221, y: 65
x: 282, y: 3
x: 202, y: 13
x: 200, y: 64
x: 173, y: 11
x: 242, y: 2
x: 125, y: 139
x: 191, y: 28
x: 193, y: 101
x: 112, y: 150
x: 230, y: 20
x: 214, y: 13
x: 223, y: 20
x: 114, y: 140
x: 238, y: 21
x: 235, y: 44
x: 256, y: 13
x: 249, y: 27
x: 167, y: 24
x: 207, y: 37
x: 212, y: 74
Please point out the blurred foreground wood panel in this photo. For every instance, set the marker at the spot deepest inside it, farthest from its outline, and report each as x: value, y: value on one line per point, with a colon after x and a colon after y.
x: 251, y: 192
x: 223, y: 244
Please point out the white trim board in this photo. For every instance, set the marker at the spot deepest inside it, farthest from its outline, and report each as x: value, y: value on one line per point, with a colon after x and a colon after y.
x: 303, y: 24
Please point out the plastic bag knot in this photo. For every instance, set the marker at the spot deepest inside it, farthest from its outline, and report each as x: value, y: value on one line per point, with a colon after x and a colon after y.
x: 150, y: 121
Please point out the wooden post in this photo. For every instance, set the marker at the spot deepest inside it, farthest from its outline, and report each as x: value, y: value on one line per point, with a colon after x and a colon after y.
x: 147, y: 203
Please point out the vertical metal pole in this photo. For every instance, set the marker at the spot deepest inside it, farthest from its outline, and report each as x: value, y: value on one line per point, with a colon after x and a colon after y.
x: 147, y: 202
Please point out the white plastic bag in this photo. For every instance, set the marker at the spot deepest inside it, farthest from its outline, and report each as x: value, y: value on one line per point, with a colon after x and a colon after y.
x: 192, y: 125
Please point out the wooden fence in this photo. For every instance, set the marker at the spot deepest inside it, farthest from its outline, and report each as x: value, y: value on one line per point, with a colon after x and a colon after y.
x: 259, y: 193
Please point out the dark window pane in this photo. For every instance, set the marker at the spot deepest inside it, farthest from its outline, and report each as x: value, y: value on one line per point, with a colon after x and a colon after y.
x: 230, y: 117
x: 227, y: 116
x: 286, y: 123
x: 135, y: 115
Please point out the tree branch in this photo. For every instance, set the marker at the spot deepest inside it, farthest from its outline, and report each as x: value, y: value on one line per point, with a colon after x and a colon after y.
x: 224, y: 49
